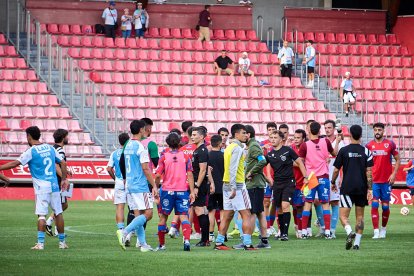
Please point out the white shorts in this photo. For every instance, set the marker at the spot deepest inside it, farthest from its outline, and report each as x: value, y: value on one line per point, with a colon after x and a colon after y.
x: 120, y: 196
x: 43, y: 201
x: 240, y: 202
x: 334, y: 195
x: 348, y: 98
x: 140, y: 201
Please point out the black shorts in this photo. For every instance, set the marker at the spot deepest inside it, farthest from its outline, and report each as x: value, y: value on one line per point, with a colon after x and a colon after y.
x: 311, y: 69
x: 346, y: 201
x: 283, y: 192
x: 202, y: 196
x: 215, y: 201
x: 256, y: 200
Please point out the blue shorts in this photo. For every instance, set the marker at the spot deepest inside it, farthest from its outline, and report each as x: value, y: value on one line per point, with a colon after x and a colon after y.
x: 323, y: 190
x: 381, y: 191
x: 268, y: 191
x: 298, y: 198
x: 180, y: 201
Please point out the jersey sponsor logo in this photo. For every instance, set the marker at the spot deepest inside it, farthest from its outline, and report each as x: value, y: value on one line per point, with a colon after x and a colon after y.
x: 354, y: 155
x: 81, y: 170
x: 165, y: 202
x: 379, y: 153
x: 386, y: 145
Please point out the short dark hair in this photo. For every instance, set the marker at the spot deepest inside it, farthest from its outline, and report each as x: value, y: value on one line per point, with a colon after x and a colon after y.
x: 250, y: 130
x: 34, y: 132
x: 310, y: 41
x: 271, y: 124
x: 283, y: 126
x: 123, y: 138
x: 206, y: 7
x: 330, y: 122
x: 279, y: 133
x: 380, y: 125
x: 190, y: 130
x: 315, y: 127
x: 136, y: 126
x: 59, y: 135
x: 205, y: 129
x: 200, y: 131
x: 176, y: 130
x: 356, y: 132
x: 173, y: 140
x: 216, y: 140
x: 236, y: 129
x: 147, y: 121
x: 185, y: 125
x: 223, y: 129
x: 301, y: 131
x: 310, y: 121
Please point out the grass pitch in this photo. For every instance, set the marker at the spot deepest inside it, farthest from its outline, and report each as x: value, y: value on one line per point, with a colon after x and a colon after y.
x: 90, y: 227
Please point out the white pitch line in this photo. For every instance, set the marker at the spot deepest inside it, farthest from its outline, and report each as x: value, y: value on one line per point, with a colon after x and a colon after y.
x: 69, y: 229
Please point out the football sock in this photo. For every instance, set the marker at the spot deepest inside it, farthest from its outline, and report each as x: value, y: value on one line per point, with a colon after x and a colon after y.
x: 334, y: 217
x: 375, y: 215
x: 240, y: 226
x: 257, y: 224
x: 319, y: 214
x: 299, y: 221
x: 310, y: 219
x: 286, y: 222
x: 295, y: 216
x: 49, y: 221
x: 130, y: 216
x: 61, y: 237
x: 141, y: 235
x: 220, y: 239
x: 120, y: 225
x: 247, y: 239
x: 268, y: 221
x: 264, y: 240
x: 385, y: 215
x: 186, y: 226
x: 348, y: 229
x: 218, y: 220
x: 196, y: 224
x: 358, y: 239
x: 281, y: 222
x: 162, y: 228
x: 271, y: 221
x: 305, y: 220
x: 135, y: 223
x: 40, y: 237
x: 178, y: 224
x: 205, y: 226
x: 327, y: 220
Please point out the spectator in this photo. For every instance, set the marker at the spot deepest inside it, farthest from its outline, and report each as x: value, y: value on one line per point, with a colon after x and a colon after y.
x: 244, y: 65
x: 222, y: 64
x: 347, y: 93
x: 285, y: 56
x: 310, y: 62
x: 141, y: 20
x: 110, y: 15
x: 204, y: 23
x: 126, y: 26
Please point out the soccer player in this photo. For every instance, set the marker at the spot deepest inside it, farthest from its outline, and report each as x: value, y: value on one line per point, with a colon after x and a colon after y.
x: 297, y: 201
x: 61, y: 139
x: 120, y: 195
x: 337, y: 144
x: 137, y: 176
x: 201, y: 188
x: 383, y: 177
x: 356, y: 162
x: 185, y: 137
x: 235, y: 195
x: 281, y: 158
x: 315, y: 153
x: 149, y: 144
x: 256, y: 183
x: 41, y: 159
x: 216, y: 171
x: 176, y: 169
x: 224, y: 133
x: 284, y: 128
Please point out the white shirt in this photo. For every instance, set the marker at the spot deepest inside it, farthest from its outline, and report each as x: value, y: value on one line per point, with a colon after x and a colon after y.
x: 126, y: 23
x: 332, y: 160
x: 138, y: 22
x: 347, y: 84
x: 110, y: 16
x: 285, y: 55
x: 244, y: 64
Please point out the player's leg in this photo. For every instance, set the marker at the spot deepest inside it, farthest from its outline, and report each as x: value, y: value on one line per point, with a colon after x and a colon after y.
x: 49, y: 223
x: 166, y: 203
x: 120, y: 198
x: 181, y: 207
x: 309, y: 198
x: 56, y: 206
x: 359, y: 214
x: 298, y: 207
x: 323, y: 194
x: 42, y: 209
x: 247, y: 227
x: 211, y: 207
x: 376, y: 195
x: 202, y: 215
x: 319, y: 222
x: 228, y: 214
x: 257, y: 210
x: 175, y: 227
x: 334, y: 202
x: 266, y: 204
x: 385, y: 202
x: 344, y: 211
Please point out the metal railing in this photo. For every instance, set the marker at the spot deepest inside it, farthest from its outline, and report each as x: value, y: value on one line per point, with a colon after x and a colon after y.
x: 270, y: 37
x: 259, y: 27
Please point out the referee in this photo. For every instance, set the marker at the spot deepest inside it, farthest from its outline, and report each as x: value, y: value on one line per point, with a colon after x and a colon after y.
x: 356, y: 162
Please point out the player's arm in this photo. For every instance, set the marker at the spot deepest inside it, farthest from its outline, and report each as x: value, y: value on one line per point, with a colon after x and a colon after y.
x: 202, y: 174
x: 110, y: 171
x: 234, y: 164
x: 64, y: 169
x: 257, y: 154
x: 153, y: 152
x: 5, y: 179
x: 58, y: 170
x: 211, y: 180
x: 10, y: 165
x: 190, y: 179
x: 159, y: 172
x: 302, y: 169
x: 397, y: 158
x: 369, y: 178
x: 148, y: 175
x: 334, y: 177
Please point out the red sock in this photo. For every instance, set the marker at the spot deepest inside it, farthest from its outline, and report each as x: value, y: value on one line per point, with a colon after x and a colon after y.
x: 305, y: 220
x: 161, y: 234
x: 196, y: 225
x: 268, y: 223
x: 327, y: 220
x: 186, y: 231
x: 299, y: 222
x: 217, y: 215
x: 375, y: 218
x: 295, y: 213
x: 385, y: 217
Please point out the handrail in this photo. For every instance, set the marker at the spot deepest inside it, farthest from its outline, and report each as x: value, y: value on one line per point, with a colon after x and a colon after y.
x: 259, y: 21
x: 270, y: 30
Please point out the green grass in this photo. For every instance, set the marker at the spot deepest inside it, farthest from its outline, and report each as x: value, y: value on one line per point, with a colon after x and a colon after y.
x: 94, y: 249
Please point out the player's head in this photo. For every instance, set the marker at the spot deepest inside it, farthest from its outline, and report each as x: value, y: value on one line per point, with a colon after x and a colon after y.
x: 238, y: 132
x: 308, y: 123
x: 198, y: 134
x: 205, y: 129
x: 148, y: 126
x: 315, y: 128
x: 123, y: 138
x: 299, y: 137
x: 190, y: 130
x: 173, y: 140
x: 216, y: 141
x: 137, y: 127
x: 207, y: 7
x: 251, y: 133
x: 185, y: 125
x: 61, y: 135
x: 309, y: 43
x: 285, y: 43
x: 378, y: 130
x: 176, y: 130
x: 270, y: 127
x: 276, y: 138
x: 33, y: 134
x: 329, y: 127
x: 356, y: 132
x: 285, y: 129
x: 224, y: 133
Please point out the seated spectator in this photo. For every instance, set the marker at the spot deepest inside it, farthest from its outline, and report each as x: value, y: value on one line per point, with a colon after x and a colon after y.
x: 244, y: 65
x: 222, y: 64
x: 347, y: 93
x: 110, y: 15
x: 285, y: 56
x: 141, y: 20
x: 126, y: 26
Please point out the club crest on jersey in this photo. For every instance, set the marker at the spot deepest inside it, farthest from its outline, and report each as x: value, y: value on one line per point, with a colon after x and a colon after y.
x: 386, y: 145
x: 165, y: 202
x: 283, y: 158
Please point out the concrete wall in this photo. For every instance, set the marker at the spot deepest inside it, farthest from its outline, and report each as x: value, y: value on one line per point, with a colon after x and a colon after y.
x: 13, y: 14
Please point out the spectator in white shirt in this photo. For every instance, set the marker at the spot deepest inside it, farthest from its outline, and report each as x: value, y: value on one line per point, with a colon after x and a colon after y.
x: 285, y: 57
x: 110, y: 15
x: 347, y: 93
x: 141, y: 20
x: 126, y: 27
x: 244, y: 65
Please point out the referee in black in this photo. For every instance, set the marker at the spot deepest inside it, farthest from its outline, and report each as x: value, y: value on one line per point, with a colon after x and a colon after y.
x: 356, y: 162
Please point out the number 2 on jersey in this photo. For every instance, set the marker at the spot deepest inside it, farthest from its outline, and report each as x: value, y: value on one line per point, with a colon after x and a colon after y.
x: 48, y: 163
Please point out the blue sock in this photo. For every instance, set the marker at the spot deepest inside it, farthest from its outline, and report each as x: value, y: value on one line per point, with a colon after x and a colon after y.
x: 319, y: 214
x: 257, y: 224
x: 235, y: 217
x: 120, y: 225
x: 61, y: 237
x: 240, y: 226
x: 135, y: 223
x: 334, y: 217
x: 267, y: 218
x: 40, y: 237
x: 220, y: 238
x: 247, y: 239
x: 141, y: 235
